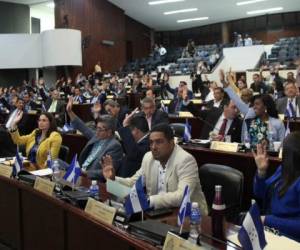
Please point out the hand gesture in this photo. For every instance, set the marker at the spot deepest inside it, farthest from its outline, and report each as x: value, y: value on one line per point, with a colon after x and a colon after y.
x: 261, y: 159
x: 108, y: 167
x: 97, y: 107
x: 70, y: 104
x: 222, y: 78
x: 17, y: 118
x: 128, y: 117
x: 185, y: 95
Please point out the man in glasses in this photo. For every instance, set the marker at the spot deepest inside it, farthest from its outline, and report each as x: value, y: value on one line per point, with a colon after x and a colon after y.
x: 101, y: 143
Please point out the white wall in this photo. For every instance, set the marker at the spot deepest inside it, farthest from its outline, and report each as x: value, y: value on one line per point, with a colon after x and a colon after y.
x: 45, y: 14
x: 50, y: 48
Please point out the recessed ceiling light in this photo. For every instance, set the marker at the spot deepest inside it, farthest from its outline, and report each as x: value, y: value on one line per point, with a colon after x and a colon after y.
x: 50, y: 5
x: 180, y: 11
x: 192, y: 19
x: 253, y: 12
x: 250, y: 2
x: 164, y: 1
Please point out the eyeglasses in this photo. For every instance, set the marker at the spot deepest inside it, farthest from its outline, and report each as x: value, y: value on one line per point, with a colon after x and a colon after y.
x: 99, y: 129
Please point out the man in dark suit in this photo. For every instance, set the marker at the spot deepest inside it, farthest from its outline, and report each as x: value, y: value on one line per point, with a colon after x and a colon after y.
x: 153, y: 116
x: 258, y: 86
x: 28, y: 103
x: 290, y: 104
x: 219, y: 100
x: 135, y: 140
x: 53, y: 104
x: 114, y: 109
x: 218, y: 123
x: 101, y: 143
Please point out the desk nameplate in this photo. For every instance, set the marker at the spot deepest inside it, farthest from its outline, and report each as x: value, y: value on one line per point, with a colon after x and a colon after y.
x: 173, y: 241
x: 100, y: 211
x: 43, y: 185
x: 5, y: 171
x: 224, y: 146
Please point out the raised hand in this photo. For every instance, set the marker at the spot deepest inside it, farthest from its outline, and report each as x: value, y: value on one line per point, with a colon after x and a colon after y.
x: 17, y: 118
x: 70, y: 104
x: 128, y: 117
x: 222, y: 78
x: 97, y: 107
x: 261, y: 159
x: 108, y: 170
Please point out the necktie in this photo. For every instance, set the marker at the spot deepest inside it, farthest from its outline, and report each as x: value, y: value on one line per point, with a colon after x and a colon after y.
x: 223, y: 127
x: 291, y: 107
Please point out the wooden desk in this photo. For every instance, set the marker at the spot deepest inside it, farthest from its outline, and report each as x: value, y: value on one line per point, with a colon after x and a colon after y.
x: 83, y: 111
x: 243, y: 162
x: 31, y: 220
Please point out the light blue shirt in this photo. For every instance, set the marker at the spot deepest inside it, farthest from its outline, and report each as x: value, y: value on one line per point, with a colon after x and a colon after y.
x: 275, y: 124
x: 93, y: 154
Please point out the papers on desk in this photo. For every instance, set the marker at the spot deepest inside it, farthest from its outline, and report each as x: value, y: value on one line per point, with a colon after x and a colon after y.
x: 185, y: 114
x: 117, y: 189
x: 42, y: 172
x: 275, y: 242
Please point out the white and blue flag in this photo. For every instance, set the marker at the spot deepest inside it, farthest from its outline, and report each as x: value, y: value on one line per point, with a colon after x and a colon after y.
x: 185, y: 207
x: 73, y: 171
x: 136, y: 200
x: 251, y: 234
x: 187, y: 132
x: 18, y: 166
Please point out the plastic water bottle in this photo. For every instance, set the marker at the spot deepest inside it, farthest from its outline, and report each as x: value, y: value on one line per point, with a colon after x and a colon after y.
x: 94, y: 190
x: 195, y: 223
x: 56, y: 171
x: 271, y: 141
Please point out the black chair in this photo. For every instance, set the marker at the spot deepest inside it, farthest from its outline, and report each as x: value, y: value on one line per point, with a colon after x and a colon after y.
x: 232, y: 182
x: 178, y: 129
x: 63, y: 152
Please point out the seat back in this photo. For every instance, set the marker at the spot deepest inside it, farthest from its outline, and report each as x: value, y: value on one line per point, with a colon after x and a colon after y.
x: 178, y: 129
x: 63, y: 152
x: 232, y: 182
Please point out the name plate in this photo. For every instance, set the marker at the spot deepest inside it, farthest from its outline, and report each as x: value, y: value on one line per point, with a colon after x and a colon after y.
x: 185, y: 114
x: 196, y: 101
x: 32, y: 112
x: 166, y: 102
x: 100, y: 211
x: 5, y: 171
x: 224, y: 146
x: 173, y: 241
x: 110, y: 97
x: 43, y: 185
x: 281, y: 117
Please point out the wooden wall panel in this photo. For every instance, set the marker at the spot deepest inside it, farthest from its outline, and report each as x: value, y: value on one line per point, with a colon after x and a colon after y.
x: 100, y: 20
x: 140, y: 37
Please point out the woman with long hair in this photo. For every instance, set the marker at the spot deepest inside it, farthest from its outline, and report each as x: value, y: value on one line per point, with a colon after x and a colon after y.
x: 40, y: 142
x: 281, y: 192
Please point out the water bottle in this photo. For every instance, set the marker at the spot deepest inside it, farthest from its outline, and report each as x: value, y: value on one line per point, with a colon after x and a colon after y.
x: 271, y: 141
x: 195, y: 223
x: 94, y: 190
x: 56, y: 171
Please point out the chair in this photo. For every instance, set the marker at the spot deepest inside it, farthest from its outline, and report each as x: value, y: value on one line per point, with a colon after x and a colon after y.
x: 178, y: 129
x: 63, y: 152
x: 232, y: 181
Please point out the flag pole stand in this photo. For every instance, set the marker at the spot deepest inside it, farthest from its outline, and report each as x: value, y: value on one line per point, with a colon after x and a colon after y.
x: 180, y: 231
x: 142, y: 215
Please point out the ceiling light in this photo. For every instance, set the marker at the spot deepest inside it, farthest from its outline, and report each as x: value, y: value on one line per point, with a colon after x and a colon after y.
x: 180, y: 11
x: 50, y: 5
x: 192, y: 19
x: 253, y: 12
x: 249, y: 2
x: 164, y: 1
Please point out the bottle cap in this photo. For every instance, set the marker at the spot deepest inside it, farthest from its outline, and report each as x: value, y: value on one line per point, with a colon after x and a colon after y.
x: 218, y: 187
x: 94, y: 182
x: 195, y: 205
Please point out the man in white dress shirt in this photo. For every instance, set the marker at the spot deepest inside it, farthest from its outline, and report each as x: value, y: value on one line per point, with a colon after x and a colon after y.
x: 167, y: 169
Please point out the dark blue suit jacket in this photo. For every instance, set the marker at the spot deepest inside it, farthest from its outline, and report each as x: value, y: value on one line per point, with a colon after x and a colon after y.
x: 134, y: 152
